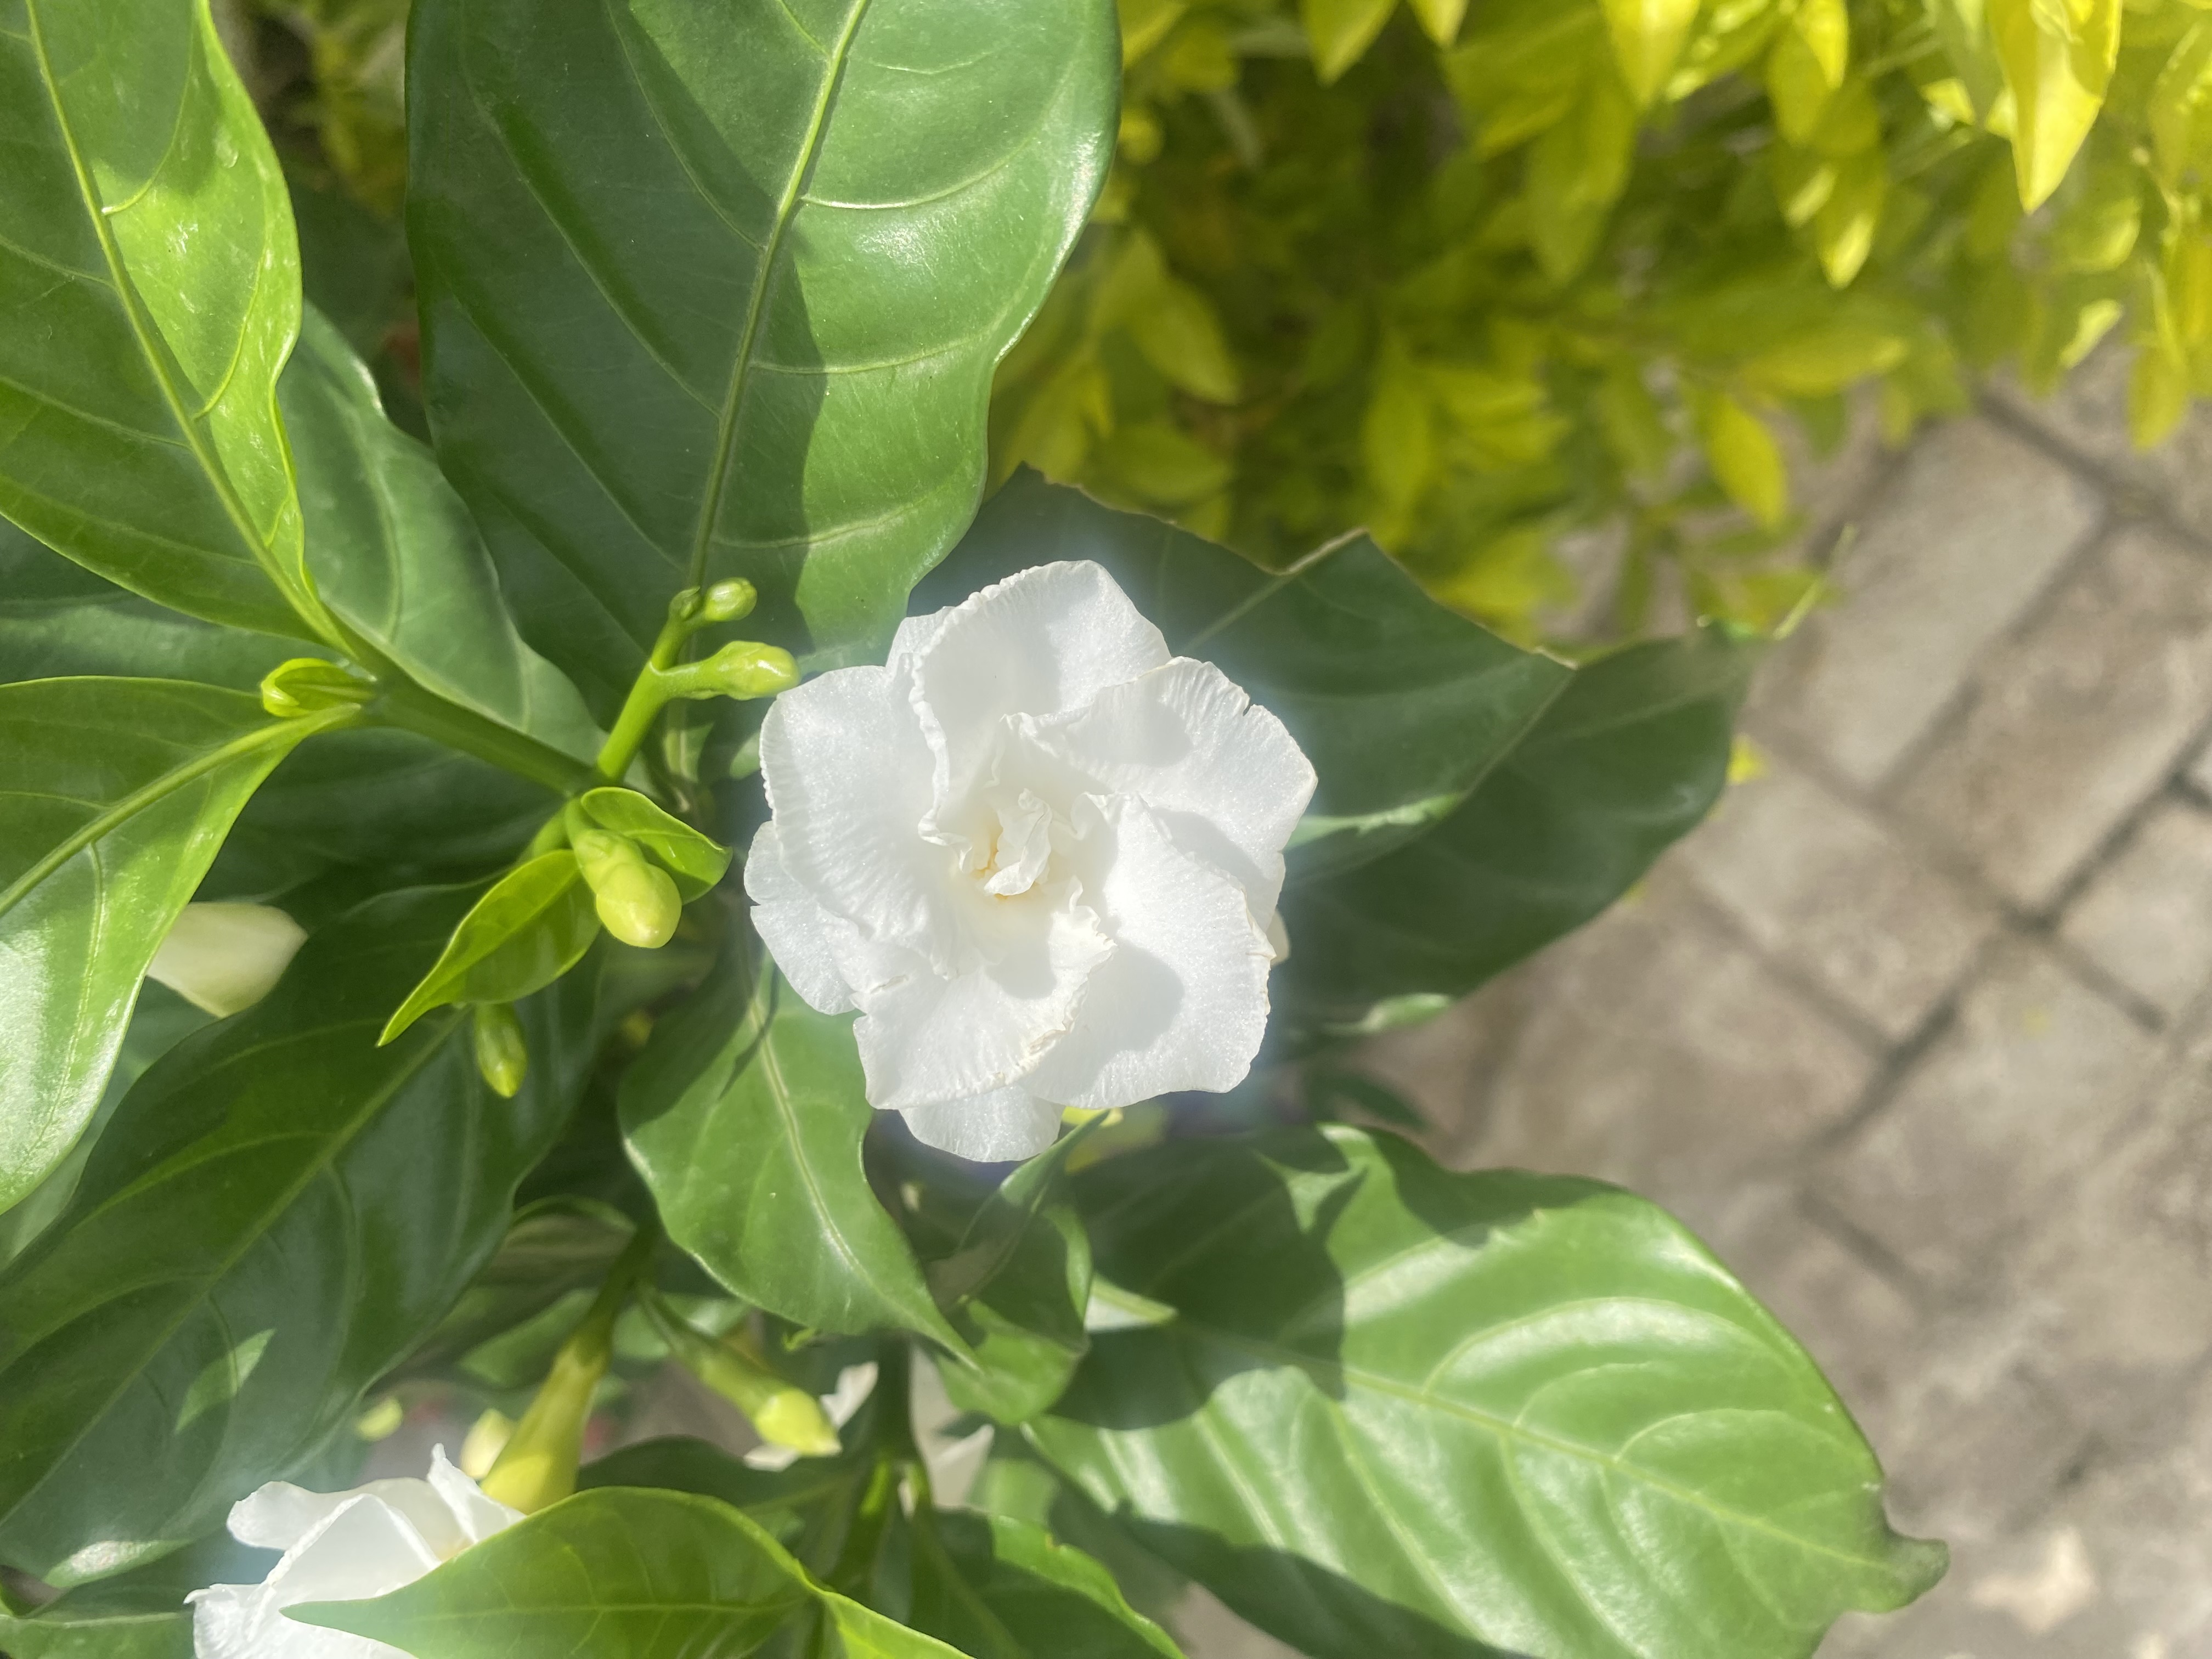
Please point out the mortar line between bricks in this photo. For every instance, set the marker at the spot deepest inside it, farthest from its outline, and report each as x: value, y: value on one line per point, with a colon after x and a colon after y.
x: 1957, y: 708
x: 1826, y: 1003
x: 1871, y: 1253
x: 2136, y: 500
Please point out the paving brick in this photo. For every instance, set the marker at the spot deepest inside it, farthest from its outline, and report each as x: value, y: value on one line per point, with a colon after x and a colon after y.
x: 1974, y: 525
x: 1653, y: 1048
x: 1824, y: 885
x: 2199, y: 774
x: 2077, y: 718
x: 2017, y: 1096
x: 2146, y: 918
x: 2111, y: 1292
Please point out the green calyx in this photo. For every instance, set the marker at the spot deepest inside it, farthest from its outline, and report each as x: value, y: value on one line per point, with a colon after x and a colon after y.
x: 636, y: 900
x: 313, y: 685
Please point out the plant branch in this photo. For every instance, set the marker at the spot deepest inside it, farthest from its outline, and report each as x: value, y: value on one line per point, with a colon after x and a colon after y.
x: 408, y: 706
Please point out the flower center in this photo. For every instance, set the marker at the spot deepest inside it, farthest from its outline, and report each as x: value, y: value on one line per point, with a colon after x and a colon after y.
x: 1015, y: 851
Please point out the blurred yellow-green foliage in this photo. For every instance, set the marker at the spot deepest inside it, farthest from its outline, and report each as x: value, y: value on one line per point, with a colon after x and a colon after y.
x: 1486, y: 275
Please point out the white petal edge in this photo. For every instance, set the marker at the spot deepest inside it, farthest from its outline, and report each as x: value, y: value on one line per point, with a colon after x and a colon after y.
x: 794, y: 927
x: 1003, y: 1126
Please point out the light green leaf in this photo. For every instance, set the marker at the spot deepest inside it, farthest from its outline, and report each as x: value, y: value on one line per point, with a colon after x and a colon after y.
x: 1843, y: 228
x: 2181, y: 108
x: 1806, y: 64
x: 2058, y: 57
x: 148, y: 271
x: 279, y: 1211
x: 532, y: 927
x: 1825, y: 359
x: 1400, y: 1410
x: 1340, y: 31
x: 1647, y: 38
x: 1401, y: 705
x: 696, y: 861
x: 1521, y: 68
x: 745, y: 1115
x: 1626, y: 759
x: 1440, y: 19
x: 1745, y: 460
x: 615, y: 1573
x: 1962, y: 26
x: 395, y: 553
x: 715, y: 288
x: 114, y: 795
x: 1577, y: 171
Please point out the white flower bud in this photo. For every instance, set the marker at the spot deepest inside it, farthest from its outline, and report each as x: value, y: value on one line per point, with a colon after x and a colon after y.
x: 225, y: 957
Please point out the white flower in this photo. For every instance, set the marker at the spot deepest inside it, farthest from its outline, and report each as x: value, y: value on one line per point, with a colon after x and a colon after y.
x: 338, y: 1546
x: 1041, y: 856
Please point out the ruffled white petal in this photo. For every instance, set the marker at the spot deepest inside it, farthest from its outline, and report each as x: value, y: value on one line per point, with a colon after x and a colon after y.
x: 925, y: 1039
x: 794, y: 927
x: 1044, y: 641
x: 1182, y: 1001
x: 338, y: 1546
x: 849, y: 779
x: 1220, y: 772
x: 1000, y: 1127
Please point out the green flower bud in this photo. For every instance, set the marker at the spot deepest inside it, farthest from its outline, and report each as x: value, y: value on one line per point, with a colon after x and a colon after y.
x: 683, y: 609
x: 637, y: 902
x: 726, y: 601
x: 743, y: 669
x: 538, y: 1465
x: 782, y: 1412
x: 501, y: 1055
x: 309, y: 685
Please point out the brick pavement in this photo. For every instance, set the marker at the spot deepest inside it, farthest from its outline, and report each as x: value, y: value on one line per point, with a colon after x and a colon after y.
x: 1918, y: 1031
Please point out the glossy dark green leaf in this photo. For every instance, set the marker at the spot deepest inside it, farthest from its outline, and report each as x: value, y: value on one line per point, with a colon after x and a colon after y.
x: 140, y: 1615
x: 1628, y: 759
x: 58, y: 619
x: 278, y: 1212
x: 396, y: 555
x: 997, y: 1587
x: 1016, y: 1287
x: 696, y: 861
x: 716, y: 287
x: 1401, y: 705
x: 151, y: 282
x: 114, y: 795
x: 362, y: 796
x: 161, y: 1020
x: 617, y: 1573
x: 745, y: 1114
x: 1395, y: 1409
x: 532, y: 927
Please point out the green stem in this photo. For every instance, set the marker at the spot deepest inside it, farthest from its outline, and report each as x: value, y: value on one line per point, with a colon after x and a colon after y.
x: 411, y: 708
x: 648, y: 696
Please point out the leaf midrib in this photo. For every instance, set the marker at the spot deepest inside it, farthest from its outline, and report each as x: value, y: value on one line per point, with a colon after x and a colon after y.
x: 1499, y: 1428
x: 151, y: 345
x: 103, y: 824
x: 710, y: 505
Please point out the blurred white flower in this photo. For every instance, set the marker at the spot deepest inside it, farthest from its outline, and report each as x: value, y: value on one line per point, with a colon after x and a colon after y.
x: 338, y: 1546
x: 225, y: 958
x: 1041, y: 856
